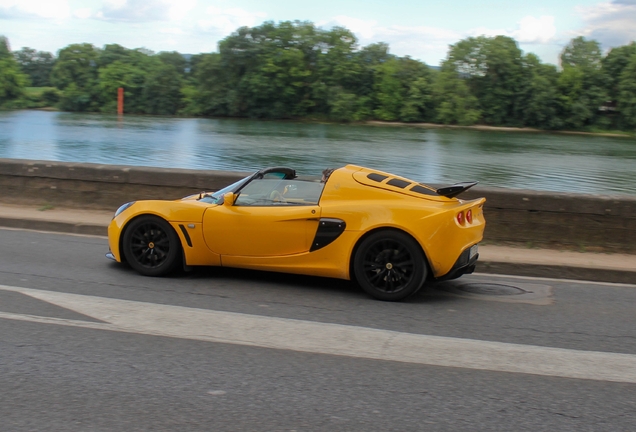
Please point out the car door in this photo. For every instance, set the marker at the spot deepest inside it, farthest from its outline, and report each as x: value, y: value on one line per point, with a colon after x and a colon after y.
x: 259, y: 225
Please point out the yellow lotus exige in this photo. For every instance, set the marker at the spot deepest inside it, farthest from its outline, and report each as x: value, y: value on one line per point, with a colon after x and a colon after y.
x: 388, y: 233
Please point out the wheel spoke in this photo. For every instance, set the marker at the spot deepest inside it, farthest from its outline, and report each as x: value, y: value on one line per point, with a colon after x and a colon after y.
x: 150, y: 245
x: 389, y: 282
x: 388, y: 265
x: 372, y: 265
x: 378, y: 276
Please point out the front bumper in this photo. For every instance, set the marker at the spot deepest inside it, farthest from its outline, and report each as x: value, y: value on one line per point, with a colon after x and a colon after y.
x: 465, y: 264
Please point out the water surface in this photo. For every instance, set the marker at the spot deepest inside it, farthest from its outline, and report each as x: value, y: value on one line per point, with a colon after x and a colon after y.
x: 539, y: 161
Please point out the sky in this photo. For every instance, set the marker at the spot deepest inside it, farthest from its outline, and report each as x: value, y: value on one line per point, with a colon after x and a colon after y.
x: 422, y: 29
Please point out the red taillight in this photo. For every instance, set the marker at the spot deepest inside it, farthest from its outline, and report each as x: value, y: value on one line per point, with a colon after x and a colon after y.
x: 460, y: 218
x: 469, y: 216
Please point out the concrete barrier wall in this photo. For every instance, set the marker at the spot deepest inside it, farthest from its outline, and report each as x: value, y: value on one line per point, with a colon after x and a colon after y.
x: 529, y: 218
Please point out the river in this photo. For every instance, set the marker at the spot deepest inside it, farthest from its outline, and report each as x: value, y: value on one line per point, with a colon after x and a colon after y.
x: 521, y: 160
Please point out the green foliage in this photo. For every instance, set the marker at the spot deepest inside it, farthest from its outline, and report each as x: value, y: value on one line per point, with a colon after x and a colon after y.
x: 454, y: 101
x: 627, y: 94
x: 5, y: 51
x: 76, y: 73
x: 388, y: 91
x: 542, y: 101
x: 75, y: 99
x: 294, y: 69
x: 208, y: 94
x: 76, y: 64
x: 12, y: 80
x: 36, y: 64
x: 347, y: 107
x: 116, y: 53
x: 162, y: 91
x: 131, y: 78
x: 174, y: 59
x: 613, y: 65
x: 581, y: 53
x: 495, y: 75
x: 41, y: 97
x: 582, y: 84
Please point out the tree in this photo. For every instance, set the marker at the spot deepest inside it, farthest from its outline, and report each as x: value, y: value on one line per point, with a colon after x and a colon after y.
x: 76, y: 72
x: 5, y: 50
x: 582, y: 53
x: 36, y: 64
x: 12, y: 80
x: 418, y: 102
x: 542, y: 101
x: 346, y: 106
x: 454, y: 101
x: 494, y: 71
x: 581, y: 83
x: 129, y: 77
x: 402, y: 90
x: 613, y: 64
x: 175, y: 59
x: 209, y: 92
x: 162, y: 91
x: 368, y: 58
x: 77, y: 63
x: 627, y: 94
x: 388, y: 91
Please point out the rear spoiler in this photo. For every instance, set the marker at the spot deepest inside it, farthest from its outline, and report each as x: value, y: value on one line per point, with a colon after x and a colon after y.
x: 454, y: 190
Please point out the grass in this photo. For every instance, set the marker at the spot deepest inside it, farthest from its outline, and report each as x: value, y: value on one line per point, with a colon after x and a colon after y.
x: 46, y: 207
x: 36, y: 91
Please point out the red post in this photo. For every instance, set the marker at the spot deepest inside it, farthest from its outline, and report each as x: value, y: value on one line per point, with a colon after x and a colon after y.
x: 120, y: 100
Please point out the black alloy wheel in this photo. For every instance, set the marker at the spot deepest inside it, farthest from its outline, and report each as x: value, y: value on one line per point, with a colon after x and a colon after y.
x: 151, y: 246
x: 390, y: 265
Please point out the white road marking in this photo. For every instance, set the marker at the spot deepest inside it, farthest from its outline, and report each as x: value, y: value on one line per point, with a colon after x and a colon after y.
x: 335, y: 339
x: 533, y: 278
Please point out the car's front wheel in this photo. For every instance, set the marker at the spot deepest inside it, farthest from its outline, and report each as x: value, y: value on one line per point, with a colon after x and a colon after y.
x: 151, y: 246
x: 390, y: 265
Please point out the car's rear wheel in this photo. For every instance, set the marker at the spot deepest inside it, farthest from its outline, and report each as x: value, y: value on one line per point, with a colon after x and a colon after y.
x: 151, y: 246
x: 390, y: 265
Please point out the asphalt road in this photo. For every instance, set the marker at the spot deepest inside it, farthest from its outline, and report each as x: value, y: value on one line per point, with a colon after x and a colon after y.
x: 87, y: 344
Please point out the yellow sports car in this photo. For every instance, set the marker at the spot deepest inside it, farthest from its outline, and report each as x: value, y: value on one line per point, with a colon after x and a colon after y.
x: 388, y: 233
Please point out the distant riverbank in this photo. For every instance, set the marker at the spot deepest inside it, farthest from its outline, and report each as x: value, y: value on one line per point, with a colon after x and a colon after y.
x: 501, y: 128
x: 614, y: 134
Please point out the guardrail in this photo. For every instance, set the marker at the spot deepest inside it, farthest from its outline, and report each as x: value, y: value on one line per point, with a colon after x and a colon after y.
x: 529, y: 218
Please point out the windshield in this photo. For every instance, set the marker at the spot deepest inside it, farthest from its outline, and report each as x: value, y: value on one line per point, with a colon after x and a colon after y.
x: 216, y: 196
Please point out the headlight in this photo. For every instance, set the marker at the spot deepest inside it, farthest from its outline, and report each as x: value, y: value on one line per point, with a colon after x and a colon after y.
x: 122, y: 208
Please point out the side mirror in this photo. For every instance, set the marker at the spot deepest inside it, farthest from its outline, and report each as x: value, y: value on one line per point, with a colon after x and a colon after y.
x: 228, y: 199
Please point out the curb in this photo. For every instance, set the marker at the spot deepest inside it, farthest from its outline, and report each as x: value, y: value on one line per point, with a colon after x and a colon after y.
x: 53, y: 226
x: 487, y: 266
x: 556, y: 271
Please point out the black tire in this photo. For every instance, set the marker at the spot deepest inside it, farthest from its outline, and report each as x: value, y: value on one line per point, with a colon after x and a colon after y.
x: 390, y: 265
x: 151, y: 246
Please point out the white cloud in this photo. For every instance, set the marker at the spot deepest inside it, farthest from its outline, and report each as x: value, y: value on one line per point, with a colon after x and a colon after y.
x: 362, y: 28
x: 115, y: 4
x: 83, y: 13
x: 431, y: 43
x: 172, y: 30
x: 489, y: 32
x: 180, y: 8
x: 612, y: 23
x: 145, y: 10
x: 535, y: 30
x: 427, y: 43
x: 51, y: 9
x: 225, y: 21
x: 529, y: 30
